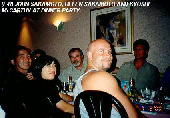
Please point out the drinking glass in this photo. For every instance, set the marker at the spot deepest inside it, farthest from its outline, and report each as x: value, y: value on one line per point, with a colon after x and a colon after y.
x: 146, y: 93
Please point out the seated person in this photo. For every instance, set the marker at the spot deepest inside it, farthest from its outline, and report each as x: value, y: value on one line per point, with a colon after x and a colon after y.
x: 47, y: 100
x: 77, y: 68
x: 143, y: 73
x: 17, y: 85
x: 96, y: 78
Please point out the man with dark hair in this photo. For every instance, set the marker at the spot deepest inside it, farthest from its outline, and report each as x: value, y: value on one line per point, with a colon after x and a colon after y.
x: 77, y: 66
x: 143, y: 73
x: 144, y: 43
x: 17, y: 85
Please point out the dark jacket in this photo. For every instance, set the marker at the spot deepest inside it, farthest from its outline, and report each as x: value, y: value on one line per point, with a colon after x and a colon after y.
x: 15, y: 94
x: 45, y: 97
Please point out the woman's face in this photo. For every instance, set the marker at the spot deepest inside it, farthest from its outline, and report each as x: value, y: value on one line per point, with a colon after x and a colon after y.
x: 49, y: 71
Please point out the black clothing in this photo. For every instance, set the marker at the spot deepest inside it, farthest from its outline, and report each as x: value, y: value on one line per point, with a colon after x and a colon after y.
x: 23, y: 98
x: 15, y: 94
x: 43, y: 103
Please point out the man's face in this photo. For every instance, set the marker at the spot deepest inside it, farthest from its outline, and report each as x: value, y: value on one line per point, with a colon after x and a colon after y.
x: 49, y: 71
x: 139, y: 52
x: 76, y: 59
x: 102, y: 56
x: 23, y: 61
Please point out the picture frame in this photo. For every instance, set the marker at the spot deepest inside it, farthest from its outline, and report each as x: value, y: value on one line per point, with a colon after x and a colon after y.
x: 115, y: 25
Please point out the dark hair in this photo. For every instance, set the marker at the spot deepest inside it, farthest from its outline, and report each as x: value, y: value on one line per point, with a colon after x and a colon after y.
x: 38, y: 51
x: 39, y: 63
x: 141, y: 42
x: 73, y: 50
x: 16, y: 51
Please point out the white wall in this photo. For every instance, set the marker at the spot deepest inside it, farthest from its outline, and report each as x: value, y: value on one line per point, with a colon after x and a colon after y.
x: 150, y: 23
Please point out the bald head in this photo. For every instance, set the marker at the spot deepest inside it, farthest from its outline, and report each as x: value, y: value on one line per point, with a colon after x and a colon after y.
x: 95, y: 43
x: 99, y: 54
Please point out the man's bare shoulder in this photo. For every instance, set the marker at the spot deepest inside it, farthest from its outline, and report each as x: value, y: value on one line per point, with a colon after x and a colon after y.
x: 99, y: 75
x: 98, y: 80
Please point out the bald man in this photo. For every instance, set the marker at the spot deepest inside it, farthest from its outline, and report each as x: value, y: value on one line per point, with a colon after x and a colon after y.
x: 96, y: 78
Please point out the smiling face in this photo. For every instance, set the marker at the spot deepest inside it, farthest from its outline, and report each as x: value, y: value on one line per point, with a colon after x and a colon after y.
x: 76, y: 59
x: 49, y: 71
x: 23, y: 61
x: 100, y: 55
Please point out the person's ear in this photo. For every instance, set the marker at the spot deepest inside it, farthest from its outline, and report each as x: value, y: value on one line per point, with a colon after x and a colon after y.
x: 89, y: 55
x: 12, y: 62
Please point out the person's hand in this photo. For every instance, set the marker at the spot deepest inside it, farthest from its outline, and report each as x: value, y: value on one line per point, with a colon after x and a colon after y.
x: 30, y: 76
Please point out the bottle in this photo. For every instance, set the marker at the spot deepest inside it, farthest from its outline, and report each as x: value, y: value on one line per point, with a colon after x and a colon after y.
x: 64, y: 87
x: 70, y: 84
x: 133, y: 92
x: 131, y: 84
x: 161, y: 95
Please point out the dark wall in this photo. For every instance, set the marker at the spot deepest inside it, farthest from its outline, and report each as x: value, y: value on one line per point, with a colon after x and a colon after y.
x: 9, y: 25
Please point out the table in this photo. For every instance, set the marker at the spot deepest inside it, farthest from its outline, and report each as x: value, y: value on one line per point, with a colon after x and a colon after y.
x: 157, y: 115
x: 155, y: 109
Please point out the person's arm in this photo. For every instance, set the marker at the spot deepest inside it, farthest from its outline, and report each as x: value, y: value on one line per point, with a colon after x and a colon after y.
x: 65, y: 107
x: 66, y: 97
x: 105, y: 82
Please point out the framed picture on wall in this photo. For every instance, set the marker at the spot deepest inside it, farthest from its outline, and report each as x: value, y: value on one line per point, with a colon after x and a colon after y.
x: 115, y: 25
